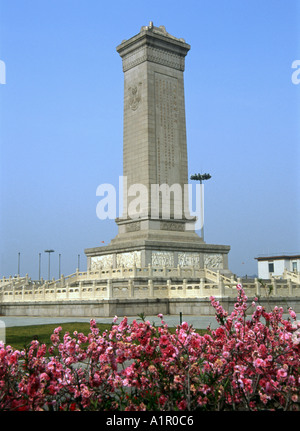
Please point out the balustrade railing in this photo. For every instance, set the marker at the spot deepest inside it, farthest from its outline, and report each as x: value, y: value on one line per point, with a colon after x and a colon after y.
x: 148, y: 282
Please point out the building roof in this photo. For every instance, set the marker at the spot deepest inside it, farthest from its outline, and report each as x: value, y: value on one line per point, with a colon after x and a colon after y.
x: 281, y: 256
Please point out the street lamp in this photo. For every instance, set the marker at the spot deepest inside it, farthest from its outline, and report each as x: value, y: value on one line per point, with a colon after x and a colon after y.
x: 19, y: 259
x: 201, y: 178
x: 40, y: 265
x: 59, y: 264
x: 49, y: 252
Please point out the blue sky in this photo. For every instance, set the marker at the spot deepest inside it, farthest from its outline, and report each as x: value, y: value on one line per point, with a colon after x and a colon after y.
x: 61, y: 123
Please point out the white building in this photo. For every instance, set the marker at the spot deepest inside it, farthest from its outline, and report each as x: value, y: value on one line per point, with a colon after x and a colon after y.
x: 276, y: 266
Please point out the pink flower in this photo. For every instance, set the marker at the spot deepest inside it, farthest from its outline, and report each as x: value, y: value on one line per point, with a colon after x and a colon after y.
x: 163, y: 339
x: 264, y: 398
x: 177, y: 379
x: 182, y: 405
x: 296, y: 337
x: 259, y: 363
x: 44, y: 377
x: 185, y: 326
x: 162, y: 400
x: 292, y: 313
x: 281, y: 374
x: 123, y: 324
x: 57, y: 330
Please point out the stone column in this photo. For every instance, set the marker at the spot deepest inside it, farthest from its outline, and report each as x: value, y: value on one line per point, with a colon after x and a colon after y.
x: 169, y: 291
x: 257, y: 286
x: 109, y: 289
x: 221, y: 287
x: 202, y: 287
x: 130, y: 288
x: 274, y: 286
x: 150, y: 287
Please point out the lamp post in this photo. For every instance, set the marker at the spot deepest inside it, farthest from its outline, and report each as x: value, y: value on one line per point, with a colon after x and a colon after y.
x: 59, y: 265
x: 201, y: 178
x: 39, y: 266
x: 49, y: 252
x: 19, y: 259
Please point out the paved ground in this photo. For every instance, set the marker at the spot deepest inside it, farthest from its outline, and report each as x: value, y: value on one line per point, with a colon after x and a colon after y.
x: 199, y: 322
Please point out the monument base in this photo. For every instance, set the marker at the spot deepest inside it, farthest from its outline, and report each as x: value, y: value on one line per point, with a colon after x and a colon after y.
x: 158, y: 247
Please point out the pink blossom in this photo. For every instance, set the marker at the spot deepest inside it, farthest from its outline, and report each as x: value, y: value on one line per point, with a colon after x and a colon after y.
x: 162, y: 400
x: 292, y: 313
x: 57, y: 330
x: 163, y: 339
x: 281, y: 373
x: 296, y: 337
x: 182, y: 405
x: 185, y: 326
x: 259, y: 362
x: 245, y: 362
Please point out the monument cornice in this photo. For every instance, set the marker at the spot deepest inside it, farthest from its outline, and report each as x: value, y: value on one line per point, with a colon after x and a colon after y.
x: 157, y: 47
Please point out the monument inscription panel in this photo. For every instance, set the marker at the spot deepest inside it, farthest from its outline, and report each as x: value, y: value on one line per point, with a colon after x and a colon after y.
x: 167, y: 139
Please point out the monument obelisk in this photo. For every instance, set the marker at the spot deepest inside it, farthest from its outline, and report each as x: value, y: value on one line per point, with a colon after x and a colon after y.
x: 155, y: 154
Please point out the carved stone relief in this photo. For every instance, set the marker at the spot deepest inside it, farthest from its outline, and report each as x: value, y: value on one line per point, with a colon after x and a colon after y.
x: 162, y: 258
x: 134, y: 96
x: 213, y: 261
x: 155, y: 55
x: 129, y: 259
x: 165, y: 225
x: 188, y: 259
x: 102, y: 262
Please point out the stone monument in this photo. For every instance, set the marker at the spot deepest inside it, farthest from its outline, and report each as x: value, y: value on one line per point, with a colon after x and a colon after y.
x: 159, y: 230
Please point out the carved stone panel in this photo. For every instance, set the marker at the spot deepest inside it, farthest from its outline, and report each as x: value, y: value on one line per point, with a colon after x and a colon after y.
x: 134, y: 96
x: 102, y: 262
x: 188, y: 259
x: 166, y: 225
x: 155, y: 55
x: 213, y: 261
x: 162, y: 258
x: 129, y: 259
